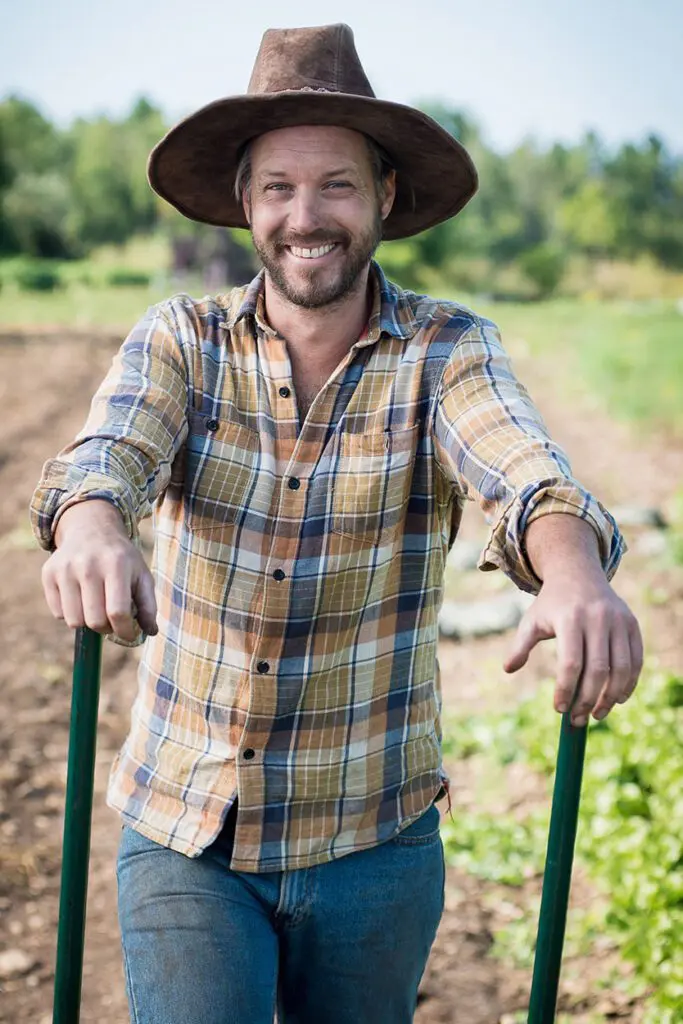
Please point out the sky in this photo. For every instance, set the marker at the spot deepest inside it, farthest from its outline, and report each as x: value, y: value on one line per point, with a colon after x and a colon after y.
x: 551, y: 69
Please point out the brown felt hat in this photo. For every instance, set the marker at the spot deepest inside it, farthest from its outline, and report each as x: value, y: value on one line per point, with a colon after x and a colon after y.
x: 311, y: 76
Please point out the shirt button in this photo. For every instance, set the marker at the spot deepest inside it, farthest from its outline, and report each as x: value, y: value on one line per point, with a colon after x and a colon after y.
x: 262, y: 667
x: 212, y: 425
x: 249, y: 754
x: 285, y: 392
x: 294, y: 484
x: 278, y: 575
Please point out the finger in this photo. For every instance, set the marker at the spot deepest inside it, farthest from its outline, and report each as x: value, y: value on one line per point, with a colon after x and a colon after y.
x: 94, y: 605
x: 52, y: 595
x: 145, y: 600
x: 637, y: 655
x: 119, y: 604
x: 570, y: 662
x: 620, y: 670
x: 70, y: 599
x: 596, y: 668
x: 529, y: 633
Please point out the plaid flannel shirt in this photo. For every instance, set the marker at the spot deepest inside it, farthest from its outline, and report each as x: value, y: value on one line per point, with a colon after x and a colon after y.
x: 299, y: 567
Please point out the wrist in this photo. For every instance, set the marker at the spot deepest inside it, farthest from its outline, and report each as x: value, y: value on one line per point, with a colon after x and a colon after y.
x: 562, y: 546
x: 92, y: 514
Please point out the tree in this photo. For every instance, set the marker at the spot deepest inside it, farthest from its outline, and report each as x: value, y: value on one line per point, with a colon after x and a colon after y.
x: 36, y: 208
x: 29, y: 146
x: 112, y: 199
x: 645, y: 185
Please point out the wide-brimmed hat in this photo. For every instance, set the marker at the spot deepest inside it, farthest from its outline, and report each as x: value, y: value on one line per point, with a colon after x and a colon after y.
x: 311, y: 76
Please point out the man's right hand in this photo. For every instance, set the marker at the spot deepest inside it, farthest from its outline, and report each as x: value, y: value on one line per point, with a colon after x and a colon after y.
x: 97, y: 577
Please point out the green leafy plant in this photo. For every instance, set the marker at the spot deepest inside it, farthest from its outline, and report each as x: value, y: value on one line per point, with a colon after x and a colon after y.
x: 630, y: 839
x: 38, y: 278
x: 544, y: 265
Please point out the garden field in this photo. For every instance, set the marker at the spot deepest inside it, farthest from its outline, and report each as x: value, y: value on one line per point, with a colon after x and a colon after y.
x: 606, y: 377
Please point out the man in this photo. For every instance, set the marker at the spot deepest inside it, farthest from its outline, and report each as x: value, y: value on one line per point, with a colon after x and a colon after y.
x: 305, y: 445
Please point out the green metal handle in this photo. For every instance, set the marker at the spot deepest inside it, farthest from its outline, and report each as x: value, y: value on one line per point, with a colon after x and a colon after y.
x: 77, y: 818
x: 558, y: 872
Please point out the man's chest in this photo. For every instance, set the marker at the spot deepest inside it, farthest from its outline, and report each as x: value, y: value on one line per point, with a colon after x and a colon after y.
x: 308, y: 382
x: 263, y: 457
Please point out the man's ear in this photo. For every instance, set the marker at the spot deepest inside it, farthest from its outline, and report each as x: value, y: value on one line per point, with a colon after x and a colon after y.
x: 389, y: 194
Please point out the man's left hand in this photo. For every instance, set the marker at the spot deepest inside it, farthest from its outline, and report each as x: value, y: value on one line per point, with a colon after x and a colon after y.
x: 599, y: 645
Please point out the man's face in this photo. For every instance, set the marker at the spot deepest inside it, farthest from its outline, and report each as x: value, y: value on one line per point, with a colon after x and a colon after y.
x: 314, y: 212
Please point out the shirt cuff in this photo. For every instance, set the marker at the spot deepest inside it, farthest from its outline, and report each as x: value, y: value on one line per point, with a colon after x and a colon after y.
x: 505, y: 547
x: 50, y: 503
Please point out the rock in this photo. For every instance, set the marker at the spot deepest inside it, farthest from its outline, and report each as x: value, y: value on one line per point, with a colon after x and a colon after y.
x: 483, y: 618
x: 639, y: 515
x: 464, y: 555
x: 14, y: 963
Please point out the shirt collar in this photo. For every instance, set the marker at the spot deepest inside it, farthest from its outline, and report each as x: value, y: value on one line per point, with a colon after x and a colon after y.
x: 391, y: 311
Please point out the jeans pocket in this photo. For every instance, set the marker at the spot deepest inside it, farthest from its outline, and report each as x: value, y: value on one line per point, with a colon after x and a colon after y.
x: 422, y: 831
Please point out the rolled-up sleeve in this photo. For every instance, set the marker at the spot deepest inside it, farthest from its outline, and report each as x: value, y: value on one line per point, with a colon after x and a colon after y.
x: 136, y: 425
x: 492, y: 445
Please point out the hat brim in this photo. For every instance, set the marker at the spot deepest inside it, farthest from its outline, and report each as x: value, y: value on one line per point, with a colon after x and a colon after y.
x: 193, y: 167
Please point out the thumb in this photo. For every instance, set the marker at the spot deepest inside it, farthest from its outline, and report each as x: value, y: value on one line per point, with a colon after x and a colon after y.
x: 527, y: 636
x: 145, y: 602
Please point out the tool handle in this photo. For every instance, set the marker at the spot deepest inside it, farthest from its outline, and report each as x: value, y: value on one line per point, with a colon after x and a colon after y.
x: 77, y: 820
x: 558, y: 872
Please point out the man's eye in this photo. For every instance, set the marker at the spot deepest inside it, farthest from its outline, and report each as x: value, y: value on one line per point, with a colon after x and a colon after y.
x: 277, y: 186
x: 338, y: 184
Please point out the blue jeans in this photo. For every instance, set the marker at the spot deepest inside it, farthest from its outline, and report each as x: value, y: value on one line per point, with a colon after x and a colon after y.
x: 344, y: 942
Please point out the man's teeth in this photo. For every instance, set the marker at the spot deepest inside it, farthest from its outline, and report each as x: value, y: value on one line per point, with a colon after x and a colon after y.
x: 311, y: 254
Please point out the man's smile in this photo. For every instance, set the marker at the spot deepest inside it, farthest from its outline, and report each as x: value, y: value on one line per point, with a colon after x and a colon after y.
x: 317, y: 254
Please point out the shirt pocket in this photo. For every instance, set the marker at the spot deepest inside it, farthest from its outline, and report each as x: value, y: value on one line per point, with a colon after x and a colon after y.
x: 222, y: 460
x: 372, y: 484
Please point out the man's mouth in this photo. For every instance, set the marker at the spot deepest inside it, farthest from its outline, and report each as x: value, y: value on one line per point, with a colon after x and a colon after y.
x: 311, y: 254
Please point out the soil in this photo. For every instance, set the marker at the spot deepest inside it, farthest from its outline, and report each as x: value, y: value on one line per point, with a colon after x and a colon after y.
x: 46, y: 381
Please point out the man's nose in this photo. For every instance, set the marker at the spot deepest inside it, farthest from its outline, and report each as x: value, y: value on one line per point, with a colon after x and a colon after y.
x: 304, y: 211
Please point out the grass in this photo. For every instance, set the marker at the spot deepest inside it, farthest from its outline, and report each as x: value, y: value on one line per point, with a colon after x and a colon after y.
x: 629, y: 355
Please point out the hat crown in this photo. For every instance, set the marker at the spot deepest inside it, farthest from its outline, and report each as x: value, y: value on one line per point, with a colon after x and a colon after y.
x: 321, y: 59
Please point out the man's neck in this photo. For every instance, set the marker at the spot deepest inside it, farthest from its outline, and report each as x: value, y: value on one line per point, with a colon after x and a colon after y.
x: 323, y: 333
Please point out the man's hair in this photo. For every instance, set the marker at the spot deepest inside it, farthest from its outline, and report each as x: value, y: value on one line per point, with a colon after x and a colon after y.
x: 381, y: 163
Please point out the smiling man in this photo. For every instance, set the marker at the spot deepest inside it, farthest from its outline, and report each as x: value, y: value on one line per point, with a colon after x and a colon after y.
x: 305, y: 445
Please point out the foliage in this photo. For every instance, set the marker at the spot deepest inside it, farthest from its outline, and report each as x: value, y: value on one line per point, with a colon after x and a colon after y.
x: 544, y: 265
x: 676, y: 529
x: 125, y: 278
x: 61, y: 193
x: 629, y: 836
x: 37, y: 206
x: 38, y: 278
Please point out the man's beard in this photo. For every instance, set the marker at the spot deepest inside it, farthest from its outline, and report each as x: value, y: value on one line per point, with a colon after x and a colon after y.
x: 317, y: 292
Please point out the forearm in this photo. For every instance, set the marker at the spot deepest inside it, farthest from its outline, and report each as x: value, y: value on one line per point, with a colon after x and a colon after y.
x: 561, y: 545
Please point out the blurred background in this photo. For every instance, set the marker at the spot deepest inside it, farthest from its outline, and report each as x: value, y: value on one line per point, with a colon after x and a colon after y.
x: 573, y: 245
